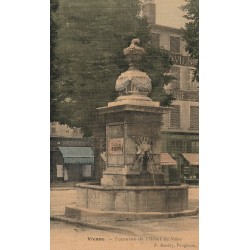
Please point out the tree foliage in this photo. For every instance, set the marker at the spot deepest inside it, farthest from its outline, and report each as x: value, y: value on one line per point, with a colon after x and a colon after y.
x: 191, y: 31
x: 89, y: 57
x: 54, y: 4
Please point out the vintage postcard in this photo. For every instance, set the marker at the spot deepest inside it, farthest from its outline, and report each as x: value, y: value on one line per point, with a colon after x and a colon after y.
x: 124, y: 132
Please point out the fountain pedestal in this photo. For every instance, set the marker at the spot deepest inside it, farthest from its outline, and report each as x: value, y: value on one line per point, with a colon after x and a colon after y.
x: 133, y: 144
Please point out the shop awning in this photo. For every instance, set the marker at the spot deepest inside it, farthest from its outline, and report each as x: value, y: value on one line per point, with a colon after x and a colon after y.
x: 193, y: 159
x: 166, y: 160
x: 77, y: 155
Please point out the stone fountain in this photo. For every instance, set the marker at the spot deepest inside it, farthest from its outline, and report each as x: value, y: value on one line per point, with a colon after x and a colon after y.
x: 132, y: 183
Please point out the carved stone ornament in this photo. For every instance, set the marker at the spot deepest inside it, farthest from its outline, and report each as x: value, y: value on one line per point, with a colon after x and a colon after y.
x: 134, y: 81
x: 134, y: 54
x: 143, y: 145
x: 144, y: 160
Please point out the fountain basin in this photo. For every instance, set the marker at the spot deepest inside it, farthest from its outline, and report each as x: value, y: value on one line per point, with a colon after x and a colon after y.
x: 132, y: 198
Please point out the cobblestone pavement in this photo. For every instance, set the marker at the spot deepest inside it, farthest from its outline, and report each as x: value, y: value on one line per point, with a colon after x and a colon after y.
x: 178, y: 233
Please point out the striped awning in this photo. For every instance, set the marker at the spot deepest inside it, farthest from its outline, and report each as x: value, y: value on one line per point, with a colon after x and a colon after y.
x: 77, y: 155
x: 166, y: 159
x: 191, y: 158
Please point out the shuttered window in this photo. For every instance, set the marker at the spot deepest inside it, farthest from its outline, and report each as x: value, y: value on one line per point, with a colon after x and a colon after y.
x: 175, y: 44
x: 176, y: 146
x: 175, y: 116
x: 195, y: 146
x: 194, y: 117
x: 175, y: 72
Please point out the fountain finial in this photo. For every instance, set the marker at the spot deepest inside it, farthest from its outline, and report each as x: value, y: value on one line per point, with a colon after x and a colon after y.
x: 134, y: 54
x: 134, y: 82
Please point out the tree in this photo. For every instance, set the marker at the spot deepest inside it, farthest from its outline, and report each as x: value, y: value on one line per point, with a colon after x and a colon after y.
x: 191, y: 32
x: 91, y: 39
x: 54, y: 4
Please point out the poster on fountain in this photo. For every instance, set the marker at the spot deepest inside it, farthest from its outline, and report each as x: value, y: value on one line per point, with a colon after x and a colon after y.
x: 124, y: 124
x: 116, y: 146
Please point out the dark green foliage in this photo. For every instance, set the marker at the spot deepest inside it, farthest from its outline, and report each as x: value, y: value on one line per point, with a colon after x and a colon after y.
x: 167, y: 100
x: 156, y: 63
x: 91, y: 37
x: 191, y: 31
x: 54, y: 74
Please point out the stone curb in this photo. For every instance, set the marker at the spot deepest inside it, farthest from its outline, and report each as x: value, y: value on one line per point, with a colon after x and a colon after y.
x: 91, y: 225
x: 116, y: 228
x: 75, y: 187
x: 132, y: 216
x: 62, y: 188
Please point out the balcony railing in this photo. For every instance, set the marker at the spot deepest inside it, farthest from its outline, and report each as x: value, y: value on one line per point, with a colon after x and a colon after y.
x: 185, y: 95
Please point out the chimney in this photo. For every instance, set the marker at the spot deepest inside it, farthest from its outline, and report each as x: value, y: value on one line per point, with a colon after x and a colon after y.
x: 149, y: 11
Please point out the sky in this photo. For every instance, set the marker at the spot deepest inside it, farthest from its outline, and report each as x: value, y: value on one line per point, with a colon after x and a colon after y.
x: 169, y: 14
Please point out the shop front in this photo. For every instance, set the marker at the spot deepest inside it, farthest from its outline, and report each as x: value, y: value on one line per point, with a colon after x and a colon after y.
x: 75, y: 164
x: 176, y: 142
x: 190, y: 168
x: 169, y: 169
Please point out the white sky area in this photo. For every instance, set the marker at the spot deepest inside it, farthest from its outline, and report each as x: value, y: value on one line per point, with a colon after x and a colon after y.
x: 169, y: 14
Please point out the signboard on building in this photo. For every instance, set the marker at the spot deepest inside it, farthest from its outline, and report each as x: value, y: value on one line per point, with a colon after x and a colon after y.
x: 184, y: 137
x: 116, y: 146
x: 182, y: 60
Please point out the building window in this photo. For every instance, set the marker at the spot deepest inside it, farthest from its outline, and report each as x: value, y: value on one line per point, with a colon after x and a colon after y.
x: 172, y: 146
x: 176, y: 146
x: 175, y: 120
x: 194, y: 117
x: 155, y: 39
x: 175, y: 72
x: 175, y: 43
x: 192, y: 85
x: 194, y: 146
x: 184, y: 146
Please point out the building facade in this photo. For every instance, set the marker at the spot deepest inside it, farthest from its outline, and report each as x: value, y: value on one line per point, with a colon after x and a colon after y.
x: 180, y: 129
x: 65, y: 139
